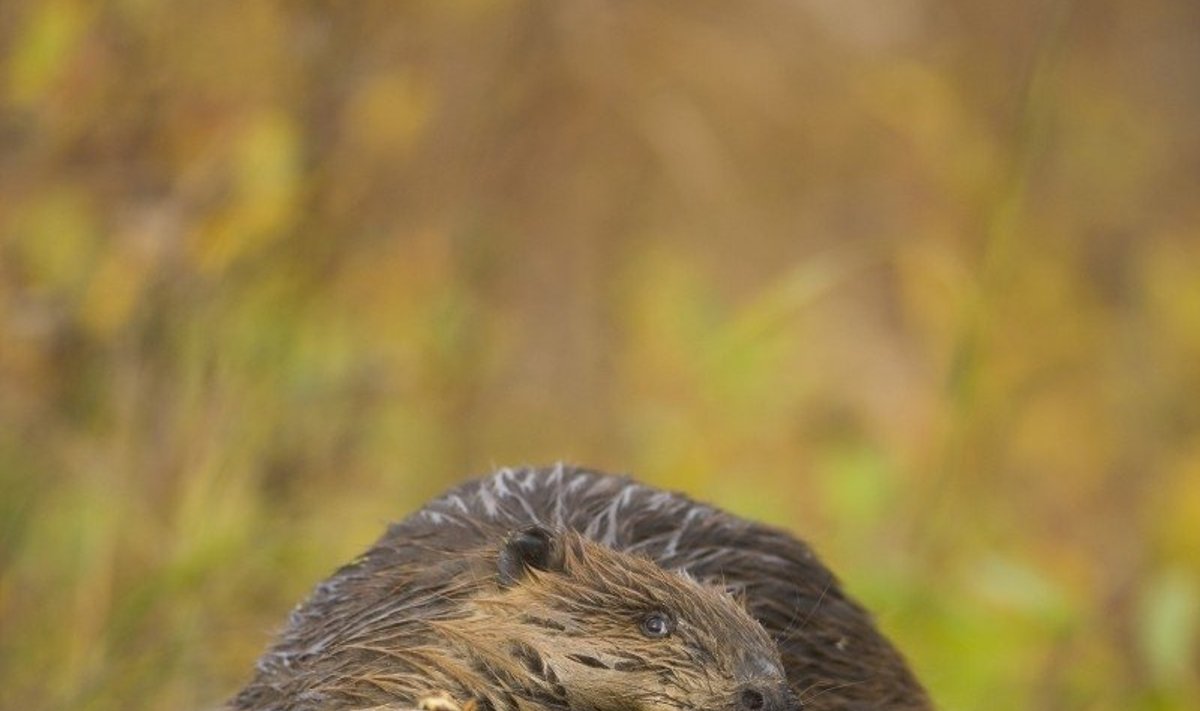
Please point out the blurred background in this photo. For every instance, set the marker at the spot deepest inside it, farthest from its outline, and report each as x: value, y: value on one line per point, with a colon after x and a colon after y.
x: 917, y: 279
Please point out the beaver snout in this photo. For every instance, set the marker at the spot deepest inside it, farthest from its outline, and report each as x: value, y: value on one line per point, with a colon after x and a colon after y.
x: 762, y: 697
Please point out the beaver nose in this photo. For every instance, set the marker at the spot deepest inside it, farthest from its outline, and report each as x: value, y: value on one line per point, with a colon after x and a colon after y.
x: 753, y: 700
x: 763, y: 698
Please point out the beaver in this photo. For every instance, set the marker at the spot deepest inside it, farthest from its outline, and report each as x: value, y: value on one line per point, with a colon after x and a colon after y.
x: 549, y: 620
x: 564, y: 588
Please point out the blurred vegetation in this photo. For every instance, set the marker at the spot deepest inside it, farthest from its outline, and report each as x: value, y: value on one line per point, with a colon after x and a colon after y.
x: 919, y: 280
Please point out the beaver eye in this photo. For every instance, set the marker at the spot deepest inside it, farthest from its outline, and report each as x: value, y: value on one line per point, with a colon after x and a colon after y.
x: 656, y: 624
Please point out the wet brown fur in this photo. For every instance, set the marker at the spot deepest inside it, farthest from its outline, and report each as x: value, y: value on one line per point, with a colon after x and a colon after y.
x: 564, y: 638
x: 423, y: 611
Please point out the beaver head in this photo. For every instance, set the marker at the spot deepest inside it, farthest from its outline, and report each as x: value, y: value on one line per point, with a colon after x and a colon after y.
x: 575, y: 624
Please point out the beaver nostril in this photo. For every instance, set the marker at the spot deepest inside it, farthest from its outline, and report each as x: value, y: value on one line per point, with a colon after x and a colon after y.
x: 752, y: 700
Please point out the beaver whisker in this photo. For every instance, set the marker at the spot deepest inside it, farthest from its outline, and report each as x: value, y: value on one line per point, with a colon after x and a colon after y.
x: 834, y: 687
x: 813, y: 610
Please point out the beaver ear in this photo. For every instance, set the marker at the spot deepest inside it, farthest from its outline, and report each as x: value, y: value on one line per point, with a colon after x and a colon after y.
x: 533, y: 547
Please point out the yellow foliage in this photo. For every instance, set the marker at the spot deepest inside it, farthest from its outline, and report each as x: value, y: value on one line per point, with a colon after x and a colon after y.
x: 46, y: 44
x: 262, y: 196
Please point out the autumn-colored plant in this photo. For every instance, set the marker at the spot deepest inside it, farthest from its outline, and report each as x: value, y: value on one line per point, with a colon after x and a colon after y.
x: 918, y: 280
